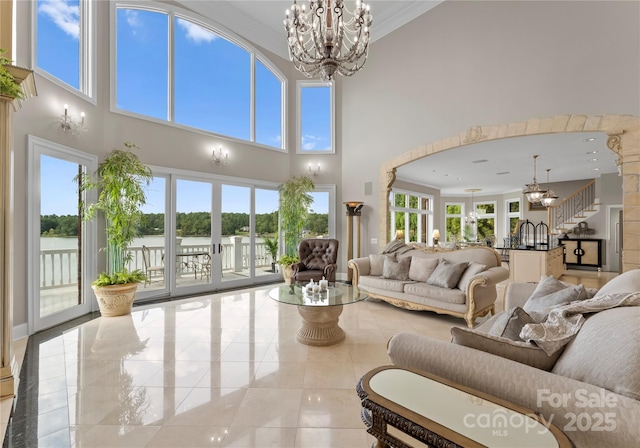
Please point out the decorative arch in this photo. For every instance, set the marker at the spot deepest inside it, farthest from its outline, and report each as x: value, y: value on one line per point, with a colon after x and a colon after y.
x: 623, y: 138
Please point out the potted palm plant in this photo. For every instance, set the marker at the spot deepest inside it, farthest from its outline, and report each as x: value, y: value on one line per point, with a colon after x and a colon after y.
x: 295, y: 200
x: 272, y: 249
x: 120, y: 181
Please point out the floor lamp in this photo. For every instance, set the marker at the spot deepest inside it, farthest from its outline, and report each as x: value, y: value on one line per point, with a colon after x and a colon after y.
x: 354, y: 209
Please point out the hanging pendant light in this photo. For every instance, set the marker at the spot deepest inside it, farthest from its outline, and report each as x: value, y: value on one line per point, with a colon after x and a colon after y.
x: 533, y: 191
x: 549, y: 197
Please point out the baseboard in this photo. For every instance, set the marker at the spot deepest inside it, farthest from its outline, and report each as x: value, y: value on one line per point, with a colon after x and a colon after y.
x: 20, y: 331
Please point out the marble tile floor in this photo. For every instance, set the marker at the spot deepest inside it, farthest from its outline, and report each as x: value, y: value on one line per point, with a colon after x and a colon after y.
x: 221, y: 370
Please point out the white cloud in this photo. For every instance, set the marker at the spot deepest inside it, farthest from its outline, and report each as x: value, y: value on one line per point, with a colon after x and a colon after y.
x: 196, y: 33
x: 65, y: 16
x: 132, y: 18
x: 311, y: 142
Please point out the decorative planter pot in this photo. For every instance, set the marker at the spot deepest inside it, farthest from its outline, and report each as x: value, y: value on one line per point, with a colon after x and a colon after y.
x: 287, y: 274
x: 115, y: 300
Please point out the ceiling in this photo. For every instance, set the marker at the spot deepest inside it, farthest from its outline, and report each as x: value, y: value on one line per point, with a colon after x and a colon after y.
x: 498, y: 166
x: 501, y: 166
x: 260, y: 21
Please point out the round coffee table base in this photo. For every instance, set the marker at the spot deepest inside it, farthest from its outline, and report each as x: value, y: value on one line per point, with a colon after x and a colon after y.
x: 320, y: 325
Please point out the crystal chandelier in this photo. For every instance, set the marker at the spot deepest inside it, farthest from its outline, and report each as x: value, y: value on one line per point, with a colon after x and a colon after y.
x: 323, y: 41
x: 549, y: 197
x: 533, y: 191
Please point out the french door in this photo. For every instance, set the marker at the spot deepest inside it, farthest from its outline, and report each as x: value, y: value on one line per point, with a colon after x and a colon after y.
x: 206, y: 234
x: 62, y: 250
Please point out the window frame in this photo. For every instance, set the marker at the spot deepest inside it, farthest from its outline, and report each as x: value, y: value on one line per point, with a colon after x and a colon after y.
x: 174, y: 12
x: 509, y: 214
x: 301, y: 84
x: 87, y: 58
x: 486, y: 216
x: 460, y: 216
x: 407, y: 210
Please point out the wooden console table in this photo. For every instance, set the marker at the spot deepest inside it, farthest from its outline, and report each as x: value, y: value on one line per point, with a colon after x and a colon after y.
x: 403, y: 406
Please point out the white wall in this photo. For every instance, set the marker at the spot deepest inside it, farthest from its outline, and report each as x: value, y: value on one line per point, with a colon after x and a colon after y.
x: 484, y: 63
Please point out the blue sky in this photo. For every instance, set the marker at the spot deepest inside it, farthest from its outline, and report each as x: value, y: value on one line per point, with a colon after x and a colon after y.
x: 212, y: 90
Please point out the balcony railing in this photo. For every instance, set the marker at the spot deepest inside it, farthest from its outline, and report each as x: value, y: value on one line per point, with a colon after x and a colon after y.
x: 59, y: 267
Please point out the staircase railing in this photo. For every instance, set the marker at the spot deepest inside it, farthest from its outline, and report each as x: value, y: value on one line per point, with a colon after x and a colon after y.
x: 572, y: 207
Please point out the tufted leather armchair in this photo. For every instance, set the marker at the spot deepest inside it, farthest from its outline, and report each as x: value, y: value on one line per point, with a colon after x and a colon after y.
x: 318, y: 258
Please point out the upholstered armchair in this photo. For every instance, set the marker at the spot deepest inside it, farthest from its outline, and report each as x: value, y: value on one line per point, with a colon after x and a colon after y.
x: 318, y: 257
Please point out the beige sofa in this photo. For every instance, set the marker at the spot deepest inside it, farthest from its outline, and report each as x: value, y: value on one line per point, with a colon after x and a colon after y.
x: 472, y: 296
x: 592, y: 391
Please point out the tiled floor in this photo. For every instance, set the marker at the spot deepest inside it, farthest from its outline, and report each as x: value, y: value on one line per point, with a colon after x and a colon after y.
x: 221, y: 370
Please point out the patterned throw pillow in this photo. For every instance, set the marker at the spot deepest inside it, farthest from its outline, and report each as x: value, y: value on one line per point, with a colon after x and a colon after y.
x: 447, y: 274
x: 396, y: 269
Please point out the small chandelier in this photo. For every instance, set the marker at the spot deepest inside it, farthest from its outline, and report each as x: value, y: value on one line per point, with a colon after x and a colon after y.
x: 322, y: 41
x: 533, y: 191
x: 549, y: 197
x: 473, y: 216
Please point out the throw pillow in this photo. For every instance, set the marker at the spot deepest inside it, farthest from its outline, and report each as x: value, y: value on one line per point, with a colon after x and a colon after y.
x: 396, y: 269
x: 421, y: 268
x: 447, y: 274
x: 547, y: 285
x: 539, y: 306
x: 473, y: 269
x: 376, y: 262
x: 518, y: 319
x: 518, y: 351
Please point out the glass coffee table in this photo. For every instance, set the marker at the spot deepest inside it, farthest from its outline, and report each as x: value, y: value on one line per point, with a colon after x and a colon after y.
x: 320, y: 311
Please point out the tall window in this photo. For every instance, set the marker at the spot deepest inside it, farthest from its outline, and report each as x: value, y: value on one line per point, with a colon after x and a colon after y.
x: 486, y: 223
x: 411, y: 216
x: 315, y: 117
x: 512, y: 216
x: 175, y: 67
x: 453, y: 219
x: 63, y: 43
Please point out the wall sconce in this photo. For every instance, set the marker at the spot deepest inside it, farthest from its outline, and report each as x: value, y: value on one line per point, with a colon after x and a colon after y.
x: 313, y: 172
x: 219, y: 158
x: 436, y: 237
x: 69, y: 124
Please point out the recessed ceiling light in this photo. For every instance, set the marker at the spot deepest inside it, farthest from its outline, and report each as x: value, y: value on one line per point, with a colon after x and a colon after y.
x: 591, y: 152
x: 591, y: 139
x: 594, y: 160
x: 480, y: 161
x: 504, y: 172
x: 596, y: 169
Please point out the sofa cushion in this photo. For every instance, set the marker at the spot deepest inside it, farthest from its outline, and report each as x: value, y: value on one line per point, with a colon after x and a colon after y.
x: 376, y: 262
x: 519, y: 351
x: 473, y: 269
x: 421, y: 268
x: 605, y: 352
x: 436, y: 293
x: 396, y: 268
x: 382, y: 283
x: 548, y: 284
x: 447, y: 273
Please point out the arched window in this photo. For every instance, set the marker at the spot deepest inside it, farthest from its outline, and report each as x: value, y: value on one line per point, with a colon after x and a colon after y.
x: 64, y: 43
x: 179, y: 68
